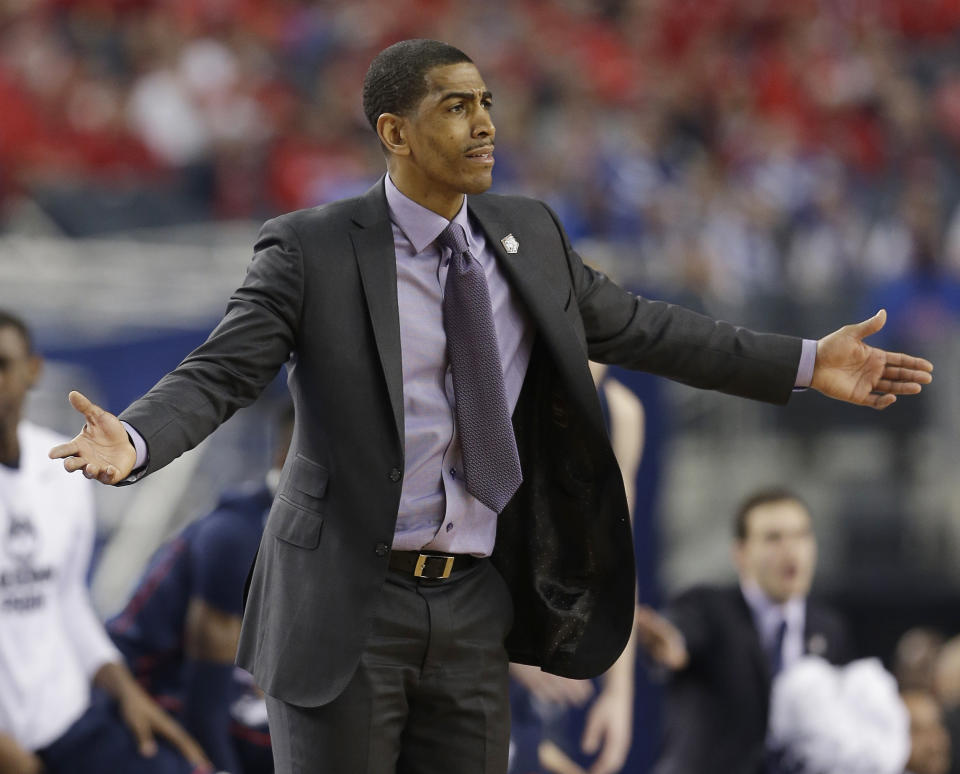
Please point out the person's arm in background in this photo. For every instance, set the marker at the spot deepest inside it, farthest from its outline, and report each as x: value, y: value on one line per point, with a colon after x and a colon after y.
x: 98, y: 657
x: 661, y: 639
x: 609, y: 724
x: 609, y: 727
x: 220, y: 556
x: 210, y: 643
x: 144, y: 717
x: 14, y: 759
x: 682, y: 635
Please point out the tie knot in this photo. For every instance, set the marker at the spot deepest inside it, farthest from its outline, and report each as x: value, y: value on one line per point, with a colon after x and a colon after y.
x: 454, y: 238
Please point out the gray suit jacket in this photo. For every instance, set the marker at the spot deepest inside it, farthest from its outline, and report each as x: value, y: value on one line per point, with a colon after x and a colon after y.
x: 321, y: 296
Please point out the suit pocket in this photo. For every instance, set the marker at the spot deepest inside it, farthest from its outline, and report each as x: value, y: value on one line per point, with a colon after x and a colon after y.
x: 306, y: 479
x: 294, y: 524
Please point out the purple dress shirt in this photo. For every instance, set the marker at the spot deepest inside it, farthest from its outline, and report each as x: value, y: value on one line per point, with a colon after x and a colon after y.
x: 436, y: 512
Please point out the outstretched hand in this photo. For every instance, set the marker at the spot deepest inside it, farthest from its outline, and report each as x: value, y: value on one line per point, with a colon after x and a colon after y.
x: 102, y: 449
x: 849, y: 370
x: 660, y: 638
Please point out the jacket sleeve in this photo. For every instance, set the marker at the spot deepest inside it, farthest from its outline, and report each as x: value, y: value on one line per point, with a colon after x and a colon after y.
x: 665, y: 339
x: 238, y: 360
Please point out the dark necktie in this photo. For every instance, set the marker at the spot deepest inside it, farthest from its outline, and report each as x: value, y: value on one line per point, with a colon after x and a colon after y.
x: 775, y: 654
x: 491, y: 465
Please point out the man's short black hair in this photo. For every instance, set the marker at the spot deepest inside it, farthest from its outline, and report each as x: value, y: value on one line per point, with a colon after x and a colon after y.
x: 767, y: 496
x: 10, y: 320
x: 396, y: 80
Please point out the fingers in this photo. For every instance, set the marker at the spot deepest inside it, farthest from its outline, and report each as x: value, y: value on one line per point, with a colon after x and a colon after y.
x: 567, y: 692
x: 897, y: 388
x: 609, y: 762
x: 604, y: 735
x: 90, y: 410
x: 563, y: 690
x: 902, y: 380
x: 182, y: 741
x: 105, y: 474
x: 902, y: 368
x: 592, y: 734
x: 651, y: 626
x: 68, y: 449
x: 908, y: 361
x: 880, y: 401
x: 142, y: 732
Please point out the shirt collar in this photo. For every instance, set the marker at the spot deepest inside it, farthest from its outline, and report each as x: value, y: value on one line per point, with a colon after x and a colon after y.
x: 420, y: 225
x: 768, y: 613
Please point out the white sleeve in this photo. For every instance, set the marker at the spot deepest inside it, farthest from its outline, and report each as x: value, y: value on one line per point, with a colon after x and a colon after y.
x: 87, y: 634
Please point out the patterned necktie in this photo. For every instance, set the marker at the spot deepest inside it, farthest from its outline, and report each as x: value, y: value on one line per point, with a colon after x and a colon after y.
x: 491, y: 465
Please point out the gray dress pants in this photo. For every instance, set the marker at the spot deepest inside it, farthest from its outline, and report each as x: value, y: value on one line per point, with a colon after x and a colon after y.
x: 430, y: 695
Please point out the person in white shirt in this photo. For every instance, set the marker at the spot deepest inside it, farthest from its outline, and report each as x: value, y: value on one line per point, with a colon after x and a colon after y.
x: 67, y: 702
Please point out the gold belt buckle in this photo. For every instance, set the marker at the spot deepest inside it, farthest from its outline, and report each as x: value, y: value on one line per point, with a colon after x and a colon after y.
x: 422, y: 561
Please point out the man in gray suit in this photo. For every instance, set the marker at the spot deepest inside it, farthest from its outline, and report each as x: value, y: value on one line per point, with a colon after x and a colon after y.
x: 401, y: 568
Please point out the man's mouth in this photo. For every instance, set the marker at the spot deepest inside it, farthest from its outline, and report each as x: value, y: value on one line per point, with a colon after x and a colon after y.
x: 482, y: 155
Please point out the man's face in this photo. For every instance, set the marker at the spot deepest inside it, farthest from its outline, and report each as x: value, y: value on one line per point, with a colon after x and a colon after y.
x: 779, y: 552
x: 450, y: 134
x: 18, y: 372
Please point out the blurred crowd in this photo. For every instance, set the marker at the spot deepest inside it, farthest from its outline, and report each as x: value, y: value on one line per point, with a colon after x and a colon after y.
x: 927, y: 667
x: 744, y: 145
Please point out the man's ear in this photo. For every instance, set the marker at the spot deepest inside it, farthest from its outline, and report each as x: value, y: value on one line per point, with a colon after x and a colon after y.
x: 391, y: 129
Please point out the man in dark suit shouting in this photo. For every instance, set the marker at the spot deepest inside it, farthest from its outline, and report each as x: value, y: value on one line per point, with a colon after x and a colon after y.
x: 450, y: 498
x: 725, y: 644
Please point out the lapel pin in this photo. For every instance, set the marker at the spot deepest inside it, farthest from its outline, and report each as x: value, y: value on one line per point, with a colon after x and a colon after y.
x: 510, y: 243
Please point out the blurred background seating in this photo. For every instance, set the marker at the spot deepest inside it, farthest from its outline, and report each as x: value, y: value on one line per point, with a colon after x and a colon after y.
x: 790, y: 166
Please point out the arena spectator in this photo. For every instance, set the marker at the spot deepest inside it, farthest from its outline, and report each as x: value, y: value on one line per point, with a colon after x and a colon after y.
x: 68, y: 705
x: 724, y: 645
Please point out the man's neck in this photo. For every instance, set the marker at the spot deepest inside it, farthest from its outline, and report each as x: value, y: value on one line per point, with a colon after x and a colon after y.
x: 445, y: 203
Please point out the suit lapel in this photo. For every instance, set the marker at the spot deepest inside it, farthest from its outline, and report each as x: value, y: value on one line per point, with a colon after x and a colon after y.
x: 377, y: 261
x: 544, y: 302
x: 520, y: 267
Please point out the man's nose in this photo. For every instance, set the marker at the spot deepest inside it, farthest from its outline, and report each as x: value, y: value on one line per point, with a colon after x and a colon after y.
x: 484, y: 126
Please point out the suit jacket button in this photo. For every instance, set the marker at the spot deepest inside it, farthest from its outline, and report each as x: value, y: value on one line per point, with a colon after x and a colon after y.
x: 395, y: 475
x: 382, y: 549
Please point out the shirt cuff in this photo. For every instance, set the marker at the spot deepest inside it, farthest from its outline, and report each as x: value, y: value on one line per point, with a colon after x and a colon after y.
x: 138, y: 444
x: 808, y: 359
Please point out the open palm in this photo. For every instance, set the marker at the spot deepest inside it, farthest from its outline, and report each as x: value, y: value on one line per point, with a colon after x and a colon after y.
x: 102, y: 449
x: 850, y: 370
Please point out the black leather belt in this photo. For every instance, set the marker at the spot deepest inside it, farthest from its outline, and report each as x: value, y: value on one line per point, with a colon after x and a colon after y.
x: 430, y: 566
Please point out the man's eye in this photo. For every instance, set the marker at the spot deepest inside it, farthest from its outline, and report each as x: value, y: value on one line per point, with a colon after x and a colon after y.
x: 488, y: 104
x: 458, y: 108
